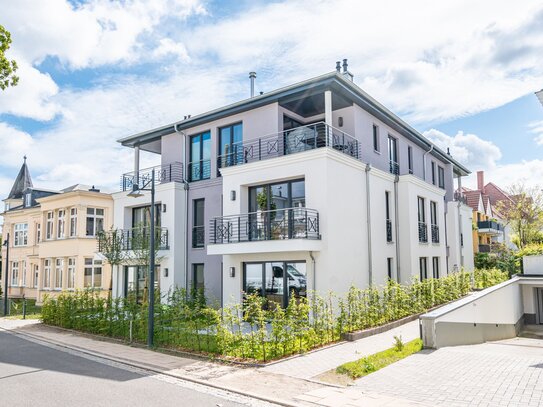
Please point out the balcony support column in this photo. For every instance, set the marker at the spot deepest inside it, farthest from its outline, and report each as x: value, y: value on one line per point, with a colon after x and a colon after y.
x: 328, y: 107
x: 136, y: 165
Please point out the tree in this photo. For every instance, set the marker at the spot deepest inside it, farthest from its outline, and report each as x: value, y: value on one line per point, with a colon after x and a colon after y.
x: 523, y: 212
x: 110, y: 245
x: 7, y: 67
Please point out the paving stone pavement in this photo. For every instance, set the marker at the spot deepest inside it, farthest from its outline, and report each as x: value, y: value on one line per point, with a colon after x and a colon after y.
x: 314, y: 363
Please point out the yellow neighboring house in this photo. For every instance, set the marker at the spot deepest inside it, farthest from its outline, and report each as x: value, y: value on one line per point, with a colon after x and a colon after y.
x: 52, y: 239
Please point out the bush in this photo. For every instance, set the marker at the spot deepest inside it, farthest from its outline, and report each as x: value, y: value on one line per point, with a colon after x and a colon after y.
x: 485, y: 278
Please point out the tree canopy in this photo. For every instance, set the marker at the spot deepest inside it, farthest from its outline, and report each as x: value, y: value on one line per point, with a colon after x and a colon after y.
x: 7, y: 67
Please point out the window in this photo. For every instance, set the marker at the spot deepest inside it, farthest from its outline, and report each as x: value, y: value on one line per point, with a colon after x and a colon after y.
x: 435, y: 267
x: 433, y: 222
x: 410, y: 159
x: 23, y: 272
x: 28, y: 200
x: 231, y: 150
x: 61, y: 223
x: 49, y: 226
x: 198, y: 282
x: 441, y: 177
x: 38, y: 233
x: 36, y: 276
x: 198, y: 226
x: 93, y: 273
x: 376, y: 144
x: 95, y: 221
x: 200, y: 157
x: 390, y: 267
x: 71, y: 273
x: 433, y: 165
x: 15, y: 274
x: 59, y: 268
x: 423, y: 267
x: 141, y: 216
x: 73, y: 222
x: 393, y: 155
x: 47, y: 273
x: 278, y: 282
x: 21, y: 234
x: 387, y: 213
x: 423, y: 232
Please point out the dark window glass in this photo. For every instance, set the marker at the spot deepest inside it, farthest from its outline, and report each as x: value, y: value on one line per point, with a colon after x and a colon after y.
x: 433, y: 173
x: 198, y: 282
x: 393, y: 155
x: 433, y: 213
x: 376, y: 146
x: 441, y: 177
x: 389, y: 267
x: 421, y: 212
x: 410, y: 159
x: 423, y: 268
x: 230, y: 145
x: 435, y: 267
x: 200, y: 155
x: 198, y: 226
x: 141, y: 216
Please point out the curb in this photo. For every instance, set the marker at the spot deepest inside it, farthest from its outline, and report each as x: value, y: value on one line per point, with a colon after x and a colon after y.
x: 151, y: 368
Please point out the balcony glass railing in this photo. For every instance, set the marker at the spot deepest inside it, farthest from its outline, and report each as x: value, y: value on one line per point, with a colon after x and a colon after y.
x: 132, y: 239
x: 280, y: 224
x: 287, y: 142
x: 172, y: 172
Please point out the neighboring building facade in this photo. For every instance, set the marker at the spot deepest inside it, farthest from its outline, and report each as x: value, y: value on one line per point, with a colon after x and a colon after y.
x: 52, y: 244
x: 315, y: 186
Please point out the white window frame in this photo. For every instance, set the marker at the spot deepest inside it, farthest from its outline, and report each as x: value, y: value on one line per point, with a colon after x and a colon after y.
x: 36, y: 276
x: 38, y: 233
x: 28, y: 200
x: 70, y: 283
x: 73, y: 222
x: 59, y: 270
x: 47, y: 273
x: 15, y: 274
x: 23, y: 272
x: 91, y: 266
x: 49, y: 225
x: 92, y: 213
x: 61, y: 224
x: 20, y: 233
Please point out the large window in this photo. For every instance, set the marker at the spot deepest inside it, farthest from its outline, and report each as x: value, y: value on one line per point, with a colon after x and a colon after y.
x: 393, y: 155
x: 435, y: 267
x: 23, y: 273
x: 21, y: 234
x: 38, y: 233
x: 198, y: 281
x: 141, y: 216
x: 433, y: 222
x: 410, y: 159
x: 441, y: 177
x: 61, y: 222
x: 423, y: 268
x: 230, y: 146
x: 198, y: 226
x: 70, y: 283
x: 73, y: 222
x: 433, y: 166
x: 200, y: 157
x: 49, y: 226
x: 95, y: 221
x: 136, y: 280
x: 278, y: 282
x: 390, y: 262
x: 36, y: 276
x: 59, y: 269
x: 93, y: 273
x: 387, y: 214
x: 376, y: 143
x: 47, y: 273
x: 15, y: 274
x: 423, y: 229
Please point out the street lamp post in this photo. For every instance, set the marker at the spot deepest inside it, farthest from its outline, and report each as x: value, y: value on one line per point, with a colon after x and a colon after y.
x: 136, y: 192
x: 6, y: 243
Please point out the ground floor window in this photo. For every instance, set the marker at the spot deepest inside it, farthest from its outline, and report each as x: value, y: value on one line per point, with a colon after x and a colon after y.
x: 59, y: 268
x: 36, y: 275
x: 390, y: 267
x: 71, y: 273
x: 435, y: 267
x: 47, y: 273
x: 15, y: 274
x: 136, y: 280
x: 278, y: 282
x: 23, y: 272
x: 423, y: 267
x: 198, y: 282
x: 93, y: 273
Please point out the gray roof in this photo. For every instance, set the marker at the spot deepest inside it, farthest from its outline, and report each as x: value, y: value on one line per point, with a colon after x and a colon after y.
x: 22, y: 182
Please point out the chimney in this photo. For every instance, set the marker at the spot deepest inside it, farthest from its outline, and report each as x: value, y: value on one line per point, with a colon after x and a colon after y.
x: 252, y: 77
x: 481, y: 181
x: 346, y: 74
x: 338, y: 66
x: 94, y: 189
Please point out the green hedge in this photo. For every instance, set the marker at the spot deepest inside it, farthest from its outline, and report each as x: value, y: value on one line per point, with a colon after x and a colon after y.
x: 256, y: 330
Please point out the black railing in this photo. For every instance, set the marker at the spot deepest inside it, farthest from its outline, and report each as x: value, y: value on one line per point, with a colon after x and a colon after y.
x: 435, y: 233
x: 389, y: 230
x: 291, y: 223
x: 199, y: 170
x: 484, y: 248
x: 459, y: 197
x: 394, y: 167
x: 489, y: 224
x: 198, y: 236
x: 423, y: 232
x: 287, y: 142
x: 172, y: 172
x: 132, y: 239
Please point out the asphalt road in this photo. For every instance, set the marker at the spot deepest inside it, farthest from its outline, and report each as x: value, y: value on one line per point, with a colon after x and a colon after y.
x: 33, y: 374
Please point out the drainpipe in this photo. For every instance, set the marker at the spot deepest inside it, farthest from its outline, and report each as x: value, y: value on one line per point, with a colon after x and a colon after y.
x: 461, y: 259
x: 314, y: 271
x: 186, y: 225
x: 368, y: 223
x: 397, y: 227
x: 424, y: 162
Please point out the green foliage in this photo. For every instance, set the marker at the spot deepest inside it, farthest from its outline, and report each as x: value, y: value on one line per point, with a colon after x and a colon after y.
x: 372, y: 363
x: 398, y: 343
x: 485, y: 278
x: 7, y: 67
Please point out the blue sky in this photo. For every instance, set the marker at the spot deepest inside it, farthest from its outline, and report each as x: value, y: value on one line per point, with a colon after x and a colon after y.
x: 95, y: 71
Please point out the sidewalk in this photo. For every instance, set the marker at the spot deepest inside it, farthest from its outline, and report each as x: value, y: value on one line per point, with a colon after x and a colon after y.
x: 259, y: 383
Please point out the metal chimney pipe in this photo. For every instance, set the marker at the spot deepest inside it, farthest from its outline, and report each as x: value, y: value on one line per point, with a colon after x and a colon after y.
x: 338, y: 66
x: 252, y: 77
x: 345, y: 65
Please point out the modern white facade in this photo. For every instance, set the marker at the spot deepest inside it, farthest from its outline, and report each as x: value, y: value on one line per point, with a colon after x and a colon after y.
x: 315, y: 186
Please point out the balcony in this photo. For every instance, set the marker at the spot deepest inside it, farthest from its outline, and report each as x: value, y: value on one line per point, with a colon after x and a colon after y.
x: 435, y: 233
x: 172, y: 172
x: 199, y: 170
x: 198, y: 236
x: 132, y: 239
x: 490, y: 227
x: 484, y: 248
x: 394, y: 167
x: 459, y: 197
x: 280, y: 224
x: 288, y: 142
x: 423, y: 232
x: 389, y: 230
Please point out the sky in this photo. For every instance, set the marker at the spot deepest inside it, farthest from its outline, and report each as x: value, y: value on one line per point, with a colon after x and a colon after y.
x: 463, y: 73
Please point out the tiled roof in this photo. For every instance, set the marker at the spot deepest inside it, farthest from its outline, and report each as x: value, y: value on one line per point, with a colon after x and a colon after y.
x: 22, y: 182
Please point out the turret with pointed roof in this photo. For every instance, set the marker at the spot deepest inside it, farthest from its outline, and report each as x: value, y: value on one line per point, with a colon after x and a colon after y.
x: 22, y: 182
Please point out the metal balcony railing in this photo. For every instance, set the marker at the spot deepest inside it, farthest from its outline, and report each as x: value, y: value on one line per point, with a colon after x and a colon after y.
x: 198, y: 236
x: 484, y: 248
x: 490, y: 224
x: 280, y: 224
x: 435, y: 233
x: 394, y: 167
x: 459, y: 197
x: 423, y: 232
x: 389, y: 230
x: 132, y: 239
x: 199, y: 170
x: 172, y: 172
x: 287, y: 142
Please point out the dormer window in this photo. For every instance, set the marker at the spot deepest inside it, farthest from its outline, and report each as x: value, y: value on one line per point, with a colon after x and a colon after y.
x: 28, y: 200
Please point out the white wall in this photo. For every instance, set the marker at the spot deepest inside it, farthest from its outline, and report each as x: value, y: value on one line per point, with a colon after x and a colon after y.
x: 533, y: 264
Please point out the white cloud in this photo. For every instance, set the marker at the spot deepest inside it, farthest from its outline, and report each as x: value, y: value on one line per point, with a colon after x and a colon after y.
x: 169, y: 47
x: 537, y: 129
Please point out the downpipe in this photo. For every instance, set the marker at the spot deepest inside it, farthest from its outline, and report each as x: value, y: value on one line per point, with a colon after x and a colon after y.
x: 368, y: 223
x: 314, y: 271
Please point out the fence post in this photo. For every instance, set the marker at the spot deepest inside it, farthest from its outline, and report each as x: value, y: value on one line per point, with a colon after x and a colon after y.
x: 24, y: 307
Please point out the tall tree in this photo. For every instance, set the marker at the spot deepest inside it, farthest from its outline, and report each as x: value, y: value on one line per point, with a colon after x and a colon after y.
x: 524, y: 212
x: 7, y: 67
